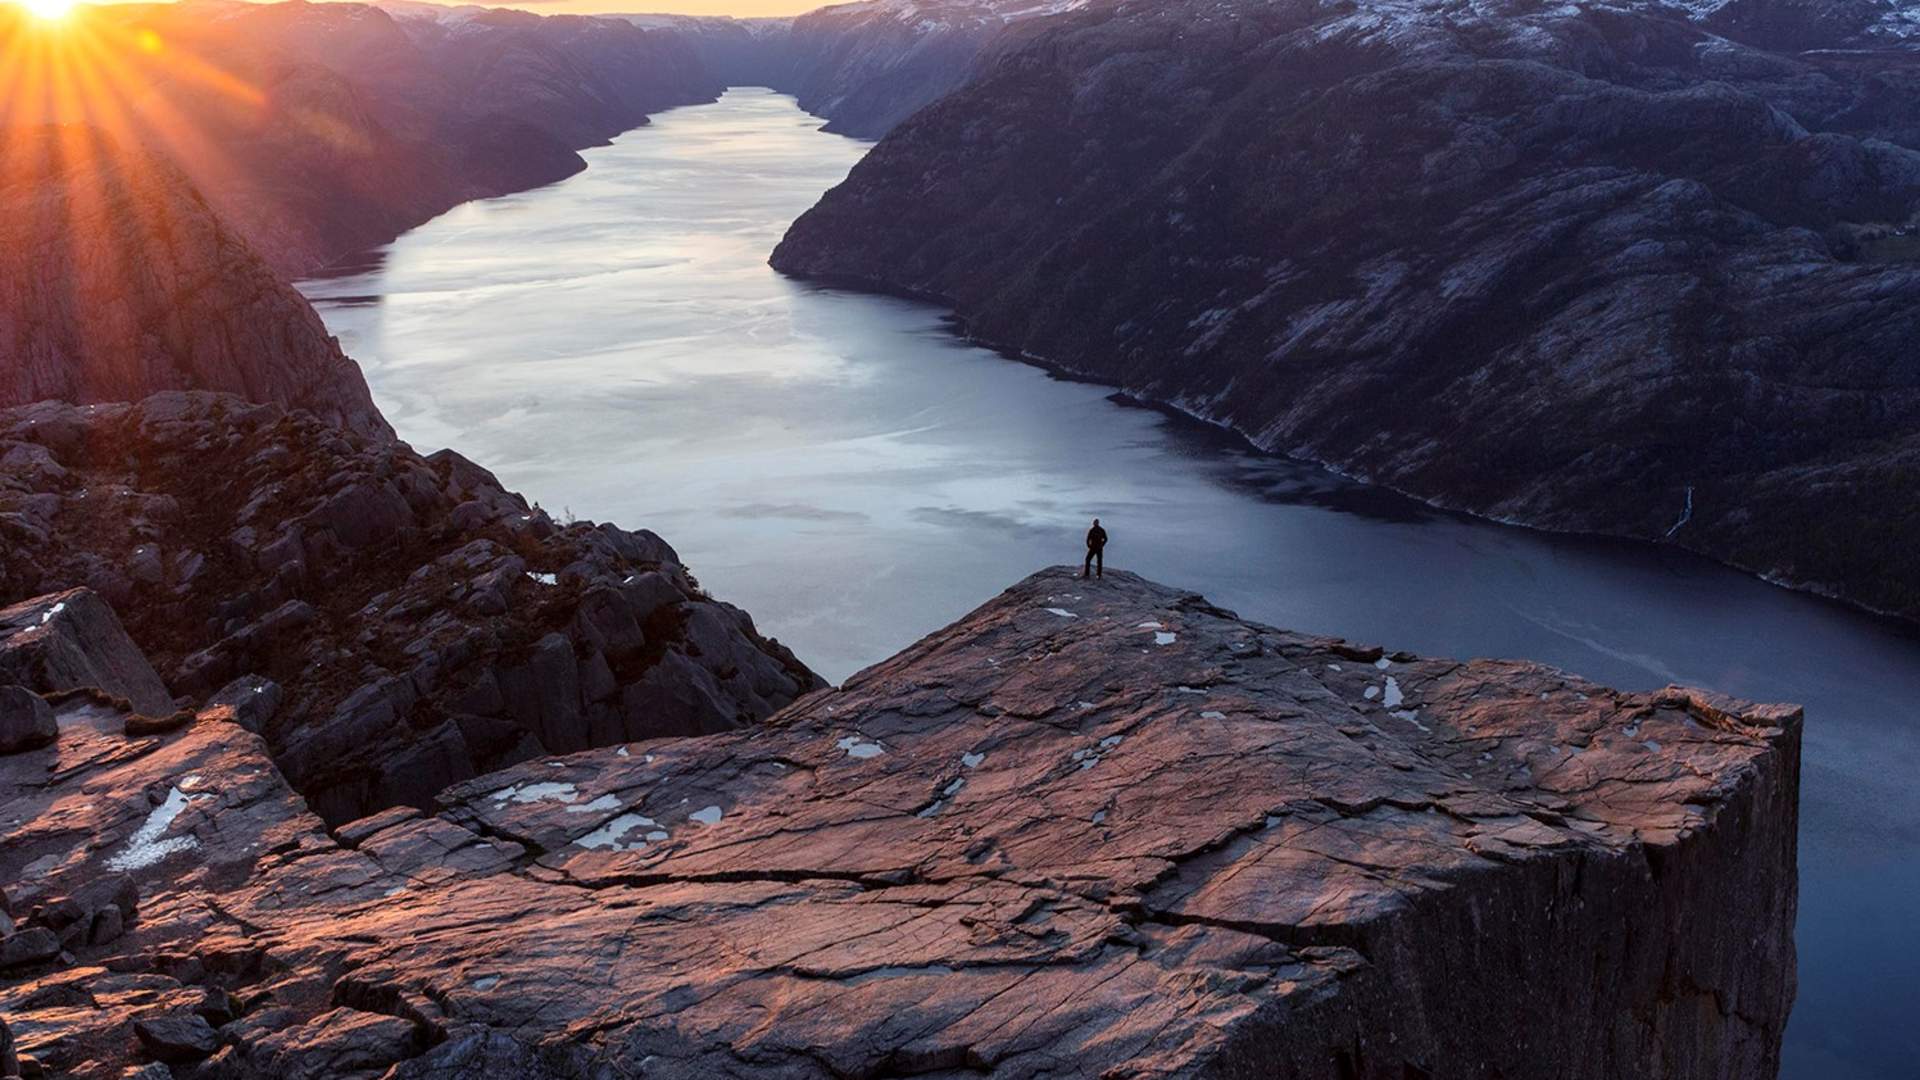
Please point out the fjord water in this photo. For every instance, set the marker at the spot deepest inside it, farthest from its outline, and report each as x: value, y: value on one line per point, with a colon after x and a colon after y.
x: 849, y: 471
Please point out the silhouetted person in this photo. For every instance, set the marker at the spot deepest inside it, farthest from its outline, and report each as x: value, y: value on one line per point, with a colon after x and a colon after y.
x: 1096, y: 545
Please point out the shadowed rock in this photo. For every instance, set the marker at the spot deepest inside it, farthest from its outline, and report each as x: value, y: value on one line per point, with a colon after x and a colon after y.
x: 1100, y: 823
x: 426, y: 624
x: 70, y: 640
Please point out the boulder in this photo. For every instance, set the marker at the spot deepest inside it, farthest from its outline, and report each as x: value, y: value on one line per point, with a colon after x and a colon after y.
x: 177, y: 1039
x: 26, y: 721
x: 250, y: 701
x: 33, y: 945
x: 71, y: 639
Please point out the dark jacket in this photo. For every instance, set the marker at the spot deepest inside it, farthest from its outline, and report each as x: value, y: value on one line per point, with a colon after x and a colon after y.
x: 1096, y: 538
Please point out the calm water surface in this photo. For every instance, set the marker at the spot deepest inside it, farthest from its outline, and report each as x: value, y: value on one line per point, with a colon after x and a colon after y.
x: 847, y: 470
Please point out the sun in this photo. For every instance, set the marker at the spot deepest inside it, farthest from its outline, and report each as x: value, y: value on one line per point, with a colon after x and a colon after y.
x: 48, y: 9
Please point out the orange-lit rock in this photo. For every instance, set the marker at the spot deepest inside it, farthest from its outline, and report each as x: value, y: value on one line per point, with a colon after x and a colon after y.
x: 1101, y: 825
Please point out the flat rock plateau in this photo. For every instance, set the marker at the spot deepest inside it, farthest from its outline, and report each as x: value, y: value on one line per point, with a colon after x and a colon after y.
x: 1097, y: 829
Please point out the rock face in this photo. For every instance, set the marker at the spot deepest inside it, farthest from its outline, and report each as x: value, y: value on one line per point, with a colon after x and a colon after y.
x: 320, y: 130
x: 426, y: 624
x: 1588, y: 267
x: 118, y: 280
x: 1101, y: 823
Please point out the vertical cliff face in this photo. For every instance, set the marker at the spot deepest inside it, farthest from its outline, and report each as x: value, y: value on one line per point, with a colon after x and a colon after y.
x: 117, y: 280
x: 1098, y: 822
x: 1587, y: 268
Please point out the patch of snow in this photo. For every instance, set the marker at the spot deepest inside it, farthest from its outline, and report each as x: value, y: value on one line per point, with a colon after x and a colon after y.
x: 544, y: 579
x: 656, y: 836
x: 1190, y: 690
x: 609, y: 836
x: 1393, y: 696
x: 950, y: 789
x: 1213, y: 714
x: 1335, y: 667
x: 1062, y: 612
x: 52, y: 611
x: 1383, y: 663
x: 1111, y: 741
x: 548, y: 790
x: 1099, y: 817
x: 1083, y: 705
x: 1162, y: 637
x: 1371, y: 692
x: 622, y: 752
x: 145, y: 847
x: 486, y: 982
x: 932, y: 808
x: 599, y: 805
x: 857, y: 746
x: 1411, y: 716
x: 1686, y: 514
x: 972, y: 760
x: 707, y: 815
x: 1651, y: 745
x: 1148, y: 625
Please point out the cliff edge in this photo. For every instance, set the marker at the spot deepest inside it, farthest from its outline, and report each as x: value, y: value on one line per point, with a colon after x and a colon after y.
x: 1103, y: 823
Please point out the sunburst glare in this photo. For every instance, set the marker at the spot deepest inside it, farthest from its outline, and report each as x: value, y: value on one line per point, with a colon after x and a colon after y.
x: 48, y: 9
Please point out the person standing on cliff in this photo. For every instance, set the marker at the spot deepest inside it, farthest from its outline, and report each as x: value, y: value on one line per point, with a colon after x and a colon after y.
x: 1096, y: 546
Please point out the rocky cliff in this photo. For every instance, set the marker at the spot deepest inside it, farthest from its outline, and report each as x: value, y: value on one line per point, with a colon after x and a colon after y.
x: 402, y: 621
x: 1593, y: 267
x: 1100, y: 823
x: 117, y: 280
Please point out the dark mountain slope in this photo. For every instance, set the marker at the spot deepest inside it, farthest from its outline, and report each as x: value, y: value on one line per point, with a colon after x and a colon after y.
x: 1579, y: 268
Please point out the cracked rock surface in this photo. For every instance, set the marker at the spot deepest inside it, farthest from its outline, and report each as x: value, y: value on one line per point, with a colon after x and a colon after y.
x: 1094, y: 829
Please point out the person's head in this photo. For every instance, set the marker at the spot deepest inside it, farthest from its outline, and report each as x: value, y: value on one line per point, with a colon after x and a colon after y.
x: 1096, y: 521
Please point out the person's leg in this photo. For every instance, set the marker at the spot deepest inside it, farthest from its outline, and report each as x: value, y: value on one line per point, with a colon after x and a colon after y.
x: 1100, y: 563
x: 1086, y: 570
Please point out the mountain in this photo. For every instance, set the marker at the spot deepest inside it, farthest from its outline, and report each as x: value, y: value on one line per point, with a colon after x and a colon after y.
x: 863, y: 66
x: 117, y: 280
x: 1105, y: 824
x: 318, y: 130
x: 1595, y: 268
